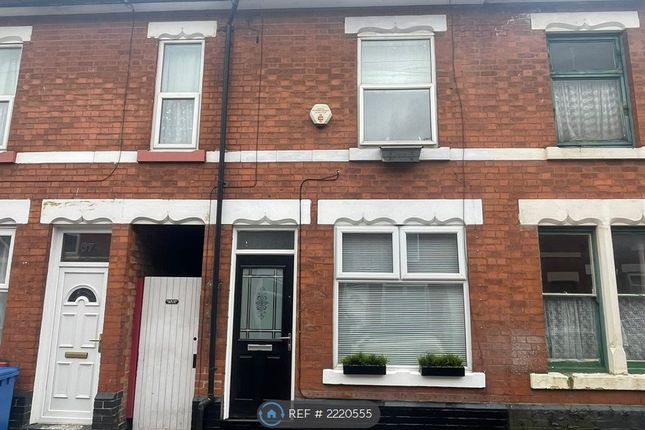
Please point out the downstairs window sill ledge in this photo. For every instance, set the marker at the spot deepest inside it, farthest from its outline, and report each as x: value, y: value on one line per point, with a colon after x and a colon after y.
x: 594, y: 153
x: 587, y: 381
x: 405, y: 378
x: 195, y: 156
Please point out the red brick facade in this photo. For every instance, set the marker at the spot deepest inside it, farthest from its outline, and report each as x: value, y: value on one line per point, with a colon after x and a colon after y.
x: 493, y: 91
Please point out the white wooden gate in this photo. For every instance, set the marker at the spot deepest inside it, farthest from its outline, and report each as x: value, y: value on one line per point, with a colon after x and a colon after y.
x: 165, y: 372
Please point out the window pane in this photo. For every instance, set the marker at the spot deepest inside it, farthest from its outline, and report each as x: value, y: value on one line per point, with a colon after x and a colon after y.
x: 401, y: 321
x: 86, y: 247
x: 395, y: 62
x: 367, y: 252
x: 181, y: 68
x: 397, y: 115
x: 571, y: 327
x: 566, y: 263
x: 571, y: 318
x: 3, y: 310
x: 632, y: 319
x: 4, y: 110
x: 590, y: 109
x: 265, y: 240
x: 177, y: 122
x: 432, y: 253
x: 629, y: 259
x: 5, y: 247
x: 261, y: 307
x: 9, y: 64
x: 582, y: 56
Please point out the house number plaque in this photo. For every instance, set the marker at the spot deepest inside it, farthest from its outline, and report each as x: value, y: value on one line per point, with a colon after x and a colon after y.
x: 172, y: 301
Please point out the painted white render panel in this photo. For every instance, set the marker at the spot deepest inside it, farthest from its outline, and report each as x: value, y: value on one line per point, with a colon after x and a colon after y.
x: 157, y: 211
x: 351, y: 154
x: 401, y: 212
x: 14, y: 211
x: 182, y: 30
x: 395, y: 24
x: 15, y: 34
x: 582, y: 212
x: 585, y: 21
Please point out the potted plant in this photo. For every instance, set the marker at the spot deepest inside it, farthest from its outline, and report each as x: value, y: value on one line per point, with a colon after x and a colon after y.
x: 363, y: 363
x: 441, y: 365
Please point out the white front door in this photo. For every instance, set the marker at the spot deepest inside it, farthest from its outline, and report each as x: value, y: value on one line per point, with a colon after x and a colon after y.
x: 69, y: 354
x: 167, y: 347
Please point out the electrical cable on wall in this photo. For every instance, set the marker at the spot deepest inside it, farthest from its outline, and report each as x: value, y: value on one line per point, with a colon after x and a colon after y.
x: 330, y: 178
x: 122, y: 126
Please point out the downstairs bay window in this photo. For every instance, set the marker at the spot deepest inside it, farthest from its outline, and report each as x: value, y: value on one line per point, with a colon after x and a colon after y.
x: 402, y: 292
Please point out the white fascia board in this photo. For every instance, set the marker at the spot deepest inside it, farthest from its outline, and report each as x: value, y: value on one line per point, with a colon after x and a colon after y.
x: 573, y: 212
x: 15, y: 34
x: 14, y: 211
x: 401, y: 212
x: 395, y: 24
x: 585, y: 21
x: 158, y: 211
x: 182, y: 30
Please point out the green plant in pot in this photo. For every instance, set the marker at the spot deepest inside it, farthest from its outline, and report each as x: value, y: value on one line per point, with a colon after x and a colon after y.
x: 441, y: 365
x: 362, y: 363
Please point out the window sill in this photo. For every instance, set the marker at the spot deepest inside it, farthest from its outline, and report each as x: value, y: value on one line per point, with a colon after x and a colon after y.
x: 405, y: 378
x: 7, y: 157
x: 587, y: 381
x: 591, y: 153
x: 374, y: 154
x: 196, y: 156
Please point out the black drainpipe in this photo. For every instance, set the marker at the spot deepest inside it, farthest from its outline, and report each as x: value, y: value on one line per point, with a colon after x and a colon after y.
x: 218, y: 220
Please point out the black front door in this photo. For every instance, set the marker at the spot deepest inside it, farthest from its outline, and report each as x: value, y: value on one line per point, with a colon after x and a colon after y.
x: 262, y: 338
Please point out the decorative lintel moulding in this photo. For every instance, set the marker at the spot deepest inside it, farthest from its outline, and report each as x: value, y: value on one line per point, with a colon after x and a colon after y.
x: 585, y: 21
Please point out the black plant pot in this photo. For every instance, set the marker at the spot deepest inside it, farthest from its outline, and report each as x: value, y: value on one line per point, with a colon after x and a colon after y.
x: 363, y: 369
x: 442, y: 371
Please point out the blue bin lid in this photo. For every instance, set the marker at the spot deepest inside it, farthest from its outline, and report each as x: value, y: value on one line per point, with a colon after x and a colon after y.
x: 8, y: 372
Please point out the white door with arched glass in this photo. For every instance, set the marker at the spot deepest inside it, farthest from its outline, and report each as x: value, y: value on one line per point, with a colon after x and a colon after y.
x: 70, y: 344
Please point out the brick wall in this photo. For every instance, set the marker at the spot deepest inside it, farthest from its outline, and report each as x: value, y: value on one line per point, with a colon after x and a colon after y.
x: 70, y: 94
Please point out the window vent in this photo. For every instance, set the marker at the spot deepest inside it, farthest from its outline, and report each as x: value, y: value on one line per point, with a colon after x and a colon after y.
x: 400, y: 154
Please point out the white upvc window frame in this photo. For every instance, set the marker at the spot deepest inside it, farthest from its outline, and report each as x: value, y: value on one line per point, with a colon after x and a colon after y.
x: 431, y: 86
x: 9, y: 98
x: 11, y: 232
x: 161, y: 96
x: 338, y: 259
x: 404, y: 375
x: 461, y: 253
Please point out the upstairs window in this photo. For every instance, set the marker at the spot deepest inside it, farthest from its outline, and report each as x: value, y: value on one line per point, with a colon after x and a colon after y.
x: 9, y: 66
x: 590, y: 92
x: 178, y: 100
x: 397, y: 94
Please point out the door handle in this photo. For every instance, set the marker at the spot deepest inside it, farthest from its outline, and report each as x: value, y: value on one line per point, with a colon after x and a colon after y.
x: 288, y: 339
x: 99, y: 341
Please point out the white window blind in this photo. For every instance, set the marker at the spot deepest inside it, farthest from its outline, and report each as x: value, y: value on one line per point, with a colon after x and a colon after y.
x: 367, y: 253
x: 401, y: 321
x: 432, y: 253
